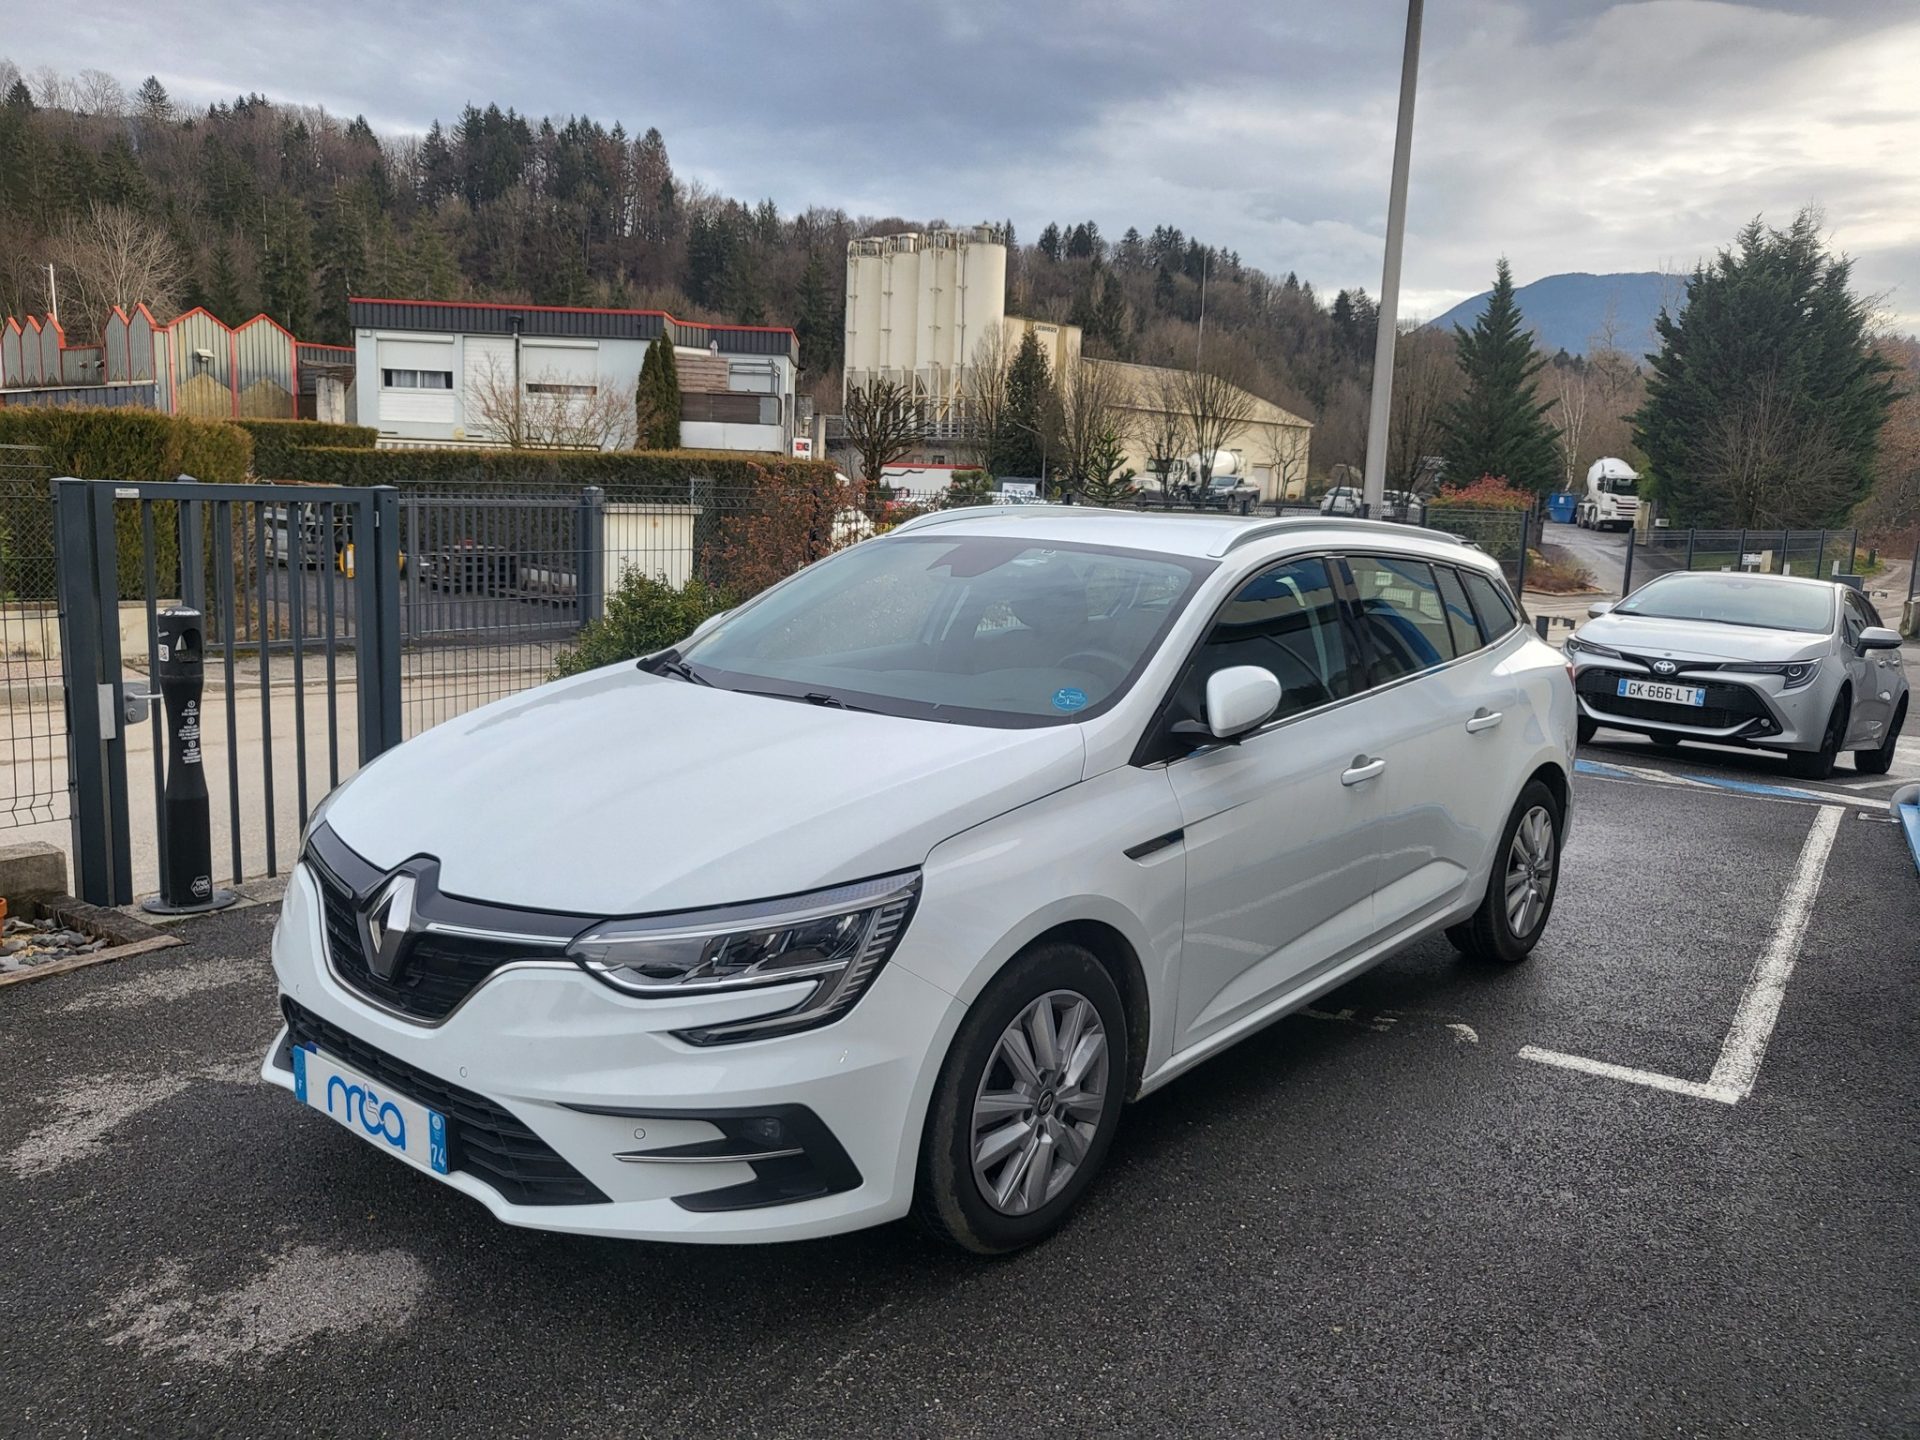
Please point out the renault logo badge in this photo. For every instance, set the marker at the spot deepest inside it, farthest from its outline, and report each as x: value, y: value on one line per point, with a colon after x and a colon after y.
x: 389, y: 919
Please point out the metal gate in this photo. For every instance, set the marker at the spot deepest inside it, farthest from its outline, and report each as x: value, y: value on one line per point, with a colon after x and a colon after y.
x: 303, y: 646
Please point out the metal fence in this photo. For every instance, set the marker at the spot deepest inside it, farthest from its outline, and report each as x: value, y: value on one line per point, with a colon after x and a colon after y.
x: 35, y: 759
x: 340, y: 621
x: 1822, y: 553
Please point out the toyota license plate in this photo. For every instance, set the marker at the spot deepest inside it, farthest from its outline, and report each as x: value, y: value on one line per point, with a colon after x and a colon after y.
x: 1666, y: 692
x: 375, y: 1113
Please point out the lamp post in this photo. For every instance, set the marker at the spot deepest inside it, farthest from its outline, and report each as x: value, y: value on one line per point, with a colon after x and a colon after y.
x: 1373, y: 492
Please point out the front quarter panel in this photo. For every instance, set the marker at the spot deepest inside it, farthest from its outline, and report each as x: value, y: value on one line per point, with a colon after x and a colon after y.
x: 990, y: 891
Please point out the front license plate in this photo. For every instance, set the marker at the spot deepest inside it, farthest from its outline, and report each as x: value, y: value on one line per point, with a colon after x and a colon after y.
x: 1663, y: 691
x: 376, y: 1114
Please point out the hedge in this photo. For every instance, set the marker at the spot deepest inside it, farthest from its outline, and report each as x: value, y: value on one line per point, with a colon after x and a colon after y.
x: 656, y: 475
x: 274, y: 439
x: 127, y: 445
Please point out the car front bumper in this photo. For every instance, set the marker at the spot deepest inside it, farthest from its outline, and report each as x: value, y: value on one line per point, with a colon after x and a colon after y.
x: 549, y: 1078
x: 1740, y: 709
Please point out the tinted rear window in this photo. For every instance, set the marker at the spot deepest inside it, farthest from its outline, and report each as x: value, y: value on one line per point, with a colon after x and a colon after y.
x: 1490, y: 600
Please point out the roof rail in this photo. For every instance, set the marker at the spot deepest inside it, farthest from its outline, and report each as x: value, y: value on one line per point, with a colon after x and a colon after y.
x: 975, y: 512
x: 1287, y: 523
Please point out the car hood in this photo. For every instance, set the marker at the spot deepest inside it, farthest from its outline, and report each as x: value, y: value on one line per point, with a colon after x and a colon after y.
x: 1700, y: 639
x: 619, y: 792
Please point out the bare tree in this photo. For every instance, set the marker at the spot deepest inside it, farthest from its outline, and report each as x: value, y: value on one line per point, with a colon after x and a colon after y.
x: 1426, y: 379
x: 883, y: 424
x: 1093, y: 423
x: 983, y: 393
x: 546, y: 412
x: 1216, y: 409
x: 1286, y: 451
x: 98, y: 93
x: 112, y: 256
x: 51, y: 89
x: 1572, y: 389
x: 1165, y: 428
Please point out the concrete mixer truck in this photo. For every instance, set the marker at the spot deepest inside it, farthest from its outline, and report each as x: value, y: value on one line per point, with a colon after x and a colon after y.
x: 1612, y: 500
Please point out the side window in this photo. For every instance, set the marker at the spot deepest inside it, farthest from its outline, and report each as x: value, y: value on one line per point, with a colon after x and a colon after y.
x: 1286, y: 620
x: 1851, y: 619
x: 1862, y: 607
x: 1496, y: 611
x: 1466, y: 634
x: 1402, y: 614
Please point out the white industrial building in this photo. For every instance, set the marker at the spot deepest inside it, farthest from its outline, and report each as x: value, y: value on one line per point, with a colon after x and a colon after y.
x: 431, y: 372
x: 920, y: 307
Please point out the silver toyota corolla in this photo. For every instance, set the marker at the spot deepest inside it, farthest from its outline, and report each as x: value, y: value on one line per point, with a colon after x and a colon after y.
x: 1803, y: 666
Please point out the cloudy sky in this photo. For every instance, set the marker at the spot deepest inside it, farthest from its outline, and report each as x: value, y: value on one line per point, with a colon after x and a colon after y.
x: 1567, y: 134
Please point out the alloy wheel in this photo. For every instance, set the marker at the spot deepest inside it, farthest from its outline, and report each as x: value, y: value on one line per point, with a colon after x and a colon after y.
x: 1039, y: 1104
x: 1529, y: 882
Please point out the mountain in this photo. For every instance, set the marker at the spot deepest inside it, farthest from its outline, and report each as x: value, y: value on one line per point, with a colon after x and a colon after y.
x: 1568, y: 311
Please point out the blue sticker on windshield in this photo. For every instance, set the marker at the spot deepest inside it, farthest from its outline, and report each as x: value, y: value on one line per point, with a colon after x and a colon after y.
x: 1068, y: 698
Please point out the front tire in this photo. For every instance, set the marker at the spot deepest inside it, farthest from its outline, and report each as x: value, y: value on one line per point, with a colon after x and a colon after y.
x: 1879, y: 761
x: 1027, y: 1103
x: 1818, y: 764
x: 1586, y: 729
x: 1514, y: 912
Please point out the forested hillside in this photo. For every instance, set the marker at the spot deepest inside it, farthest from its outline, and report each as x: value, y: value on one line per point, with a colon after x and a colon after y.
x: 255, y: 205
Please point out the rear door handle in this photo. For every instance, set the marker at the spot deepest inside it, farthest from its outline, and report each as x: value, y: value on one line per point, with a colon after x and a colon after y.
x: 1483, y: 720
x: 1361, y: 770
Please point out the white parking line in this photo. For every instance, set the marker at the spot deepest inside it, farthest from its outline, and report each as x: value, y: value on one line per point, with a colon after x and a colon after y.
x: 1759, y: 1009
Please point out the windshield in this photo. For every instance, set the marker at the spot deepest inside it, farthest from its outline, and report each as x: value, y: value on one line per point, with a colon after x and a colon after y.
x: 1620, y: 486
x: 1734, y: 600
x: 993, y: 630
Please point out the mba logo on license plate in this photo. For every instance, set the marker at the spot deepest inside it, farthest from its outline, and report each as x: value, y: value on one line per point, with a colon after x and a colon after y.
x: 373, y: 1112
x: 1662, y: 690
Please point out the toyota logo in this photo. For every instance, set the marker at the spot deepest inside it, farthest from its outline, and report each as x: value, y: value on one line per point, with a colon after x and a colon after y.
x: 1664, y: 667
x: 389, y: 919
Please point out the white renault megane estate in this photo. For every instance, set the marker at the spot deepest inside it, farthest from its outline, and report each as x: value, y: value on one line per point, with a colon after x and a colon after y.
x: 1769, y: 661
x: 881, y: 893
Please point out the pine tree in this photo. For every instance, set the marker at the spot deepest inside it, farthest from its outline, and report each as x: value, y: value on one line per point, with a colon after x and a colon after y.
x: 223, y: 286
x: 1766, y: 401
x: 818, y: 321
x: 153, y: 100
x: 1022, y: 447
x: 287, y: 268
x: 1499, y: 425
x: 1050, y: 242
x: 656, y: 399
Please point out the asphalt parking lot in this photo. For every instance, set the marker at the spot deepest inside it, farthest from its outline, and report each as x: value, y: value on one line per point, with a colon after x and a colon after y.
x: 1446, y: 1201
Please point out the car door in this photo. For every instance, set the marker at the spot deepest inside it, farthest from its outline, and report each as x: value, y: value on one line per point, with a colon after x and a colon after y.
x: 1449, y: 726
x: 1873, y: 682
x: 1281, y: 828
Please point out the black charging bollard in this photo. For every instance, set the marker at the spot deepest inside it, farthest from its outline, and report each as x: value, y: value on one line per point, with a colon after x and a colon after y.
x: 186, y: 876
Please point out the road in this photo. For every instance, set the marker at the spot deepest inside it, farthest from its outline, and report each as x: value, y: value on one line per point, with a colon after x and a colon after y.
x: 1603, y: 552
x: 1378, y: 1218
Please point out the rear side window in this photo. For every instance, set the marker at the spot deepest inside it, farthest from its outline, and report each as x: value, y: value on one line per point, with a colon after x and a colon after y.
x: 1490, y: 599
x: 1285, y: 620
x: 1403, y: 616
x: 1453, y: 594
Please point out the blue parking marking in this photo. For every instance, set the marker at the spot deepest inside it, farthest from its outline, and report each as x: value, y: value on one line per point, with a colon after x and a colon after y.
x: 1594, y: 767
x: 1909, y: 817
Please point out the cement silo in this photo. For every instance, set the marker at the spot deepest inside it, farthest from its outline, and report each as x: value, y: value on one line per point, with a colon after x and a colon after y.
x: 900, y: 308
x: 980, y: 290
x: 918, y: 306
x: 865, y: 281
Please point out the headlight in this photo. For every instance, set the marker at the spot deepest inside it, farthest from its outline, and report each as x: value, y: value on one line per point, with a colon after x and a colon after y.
x: 838, y: 939
x: 1795, y: 672
x: 1577, y: 646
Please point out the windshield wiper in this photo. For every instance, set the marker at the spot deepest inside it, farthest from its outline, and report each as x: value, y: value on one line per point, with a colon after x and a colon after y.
x: 668, y: 662
x: 812, y: 697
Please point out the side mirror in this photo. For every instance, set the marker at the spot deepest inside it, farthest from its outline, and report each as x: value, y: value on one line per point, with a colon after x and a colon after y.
x: 1239, y: 698
x: 1599, y: 608
x: 1875, y: 637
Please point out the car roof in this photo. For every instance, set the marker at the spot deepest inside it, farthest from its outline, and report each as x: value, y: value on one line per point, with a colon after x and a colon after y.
x: 1196, y: 536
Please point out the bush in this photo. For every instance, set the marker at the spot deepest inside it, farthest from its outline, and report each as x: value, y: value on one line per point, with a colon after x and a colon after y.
x: 644, y: 614
x: 128, y: 445
x: 788, y: 520
x: 274, y: 439
x: 635, y: 475
x: 1489, y: 512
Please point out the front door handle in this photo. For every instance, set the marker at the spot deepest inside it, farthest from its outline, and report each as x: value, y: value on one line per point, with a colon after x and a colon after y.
x: 1483, y: 719
x: 1361, y: 770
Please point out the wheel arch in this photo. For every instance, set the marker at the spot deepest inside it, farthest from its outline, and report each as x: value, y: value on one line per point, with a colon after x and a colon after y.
x: 1120, y: 960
